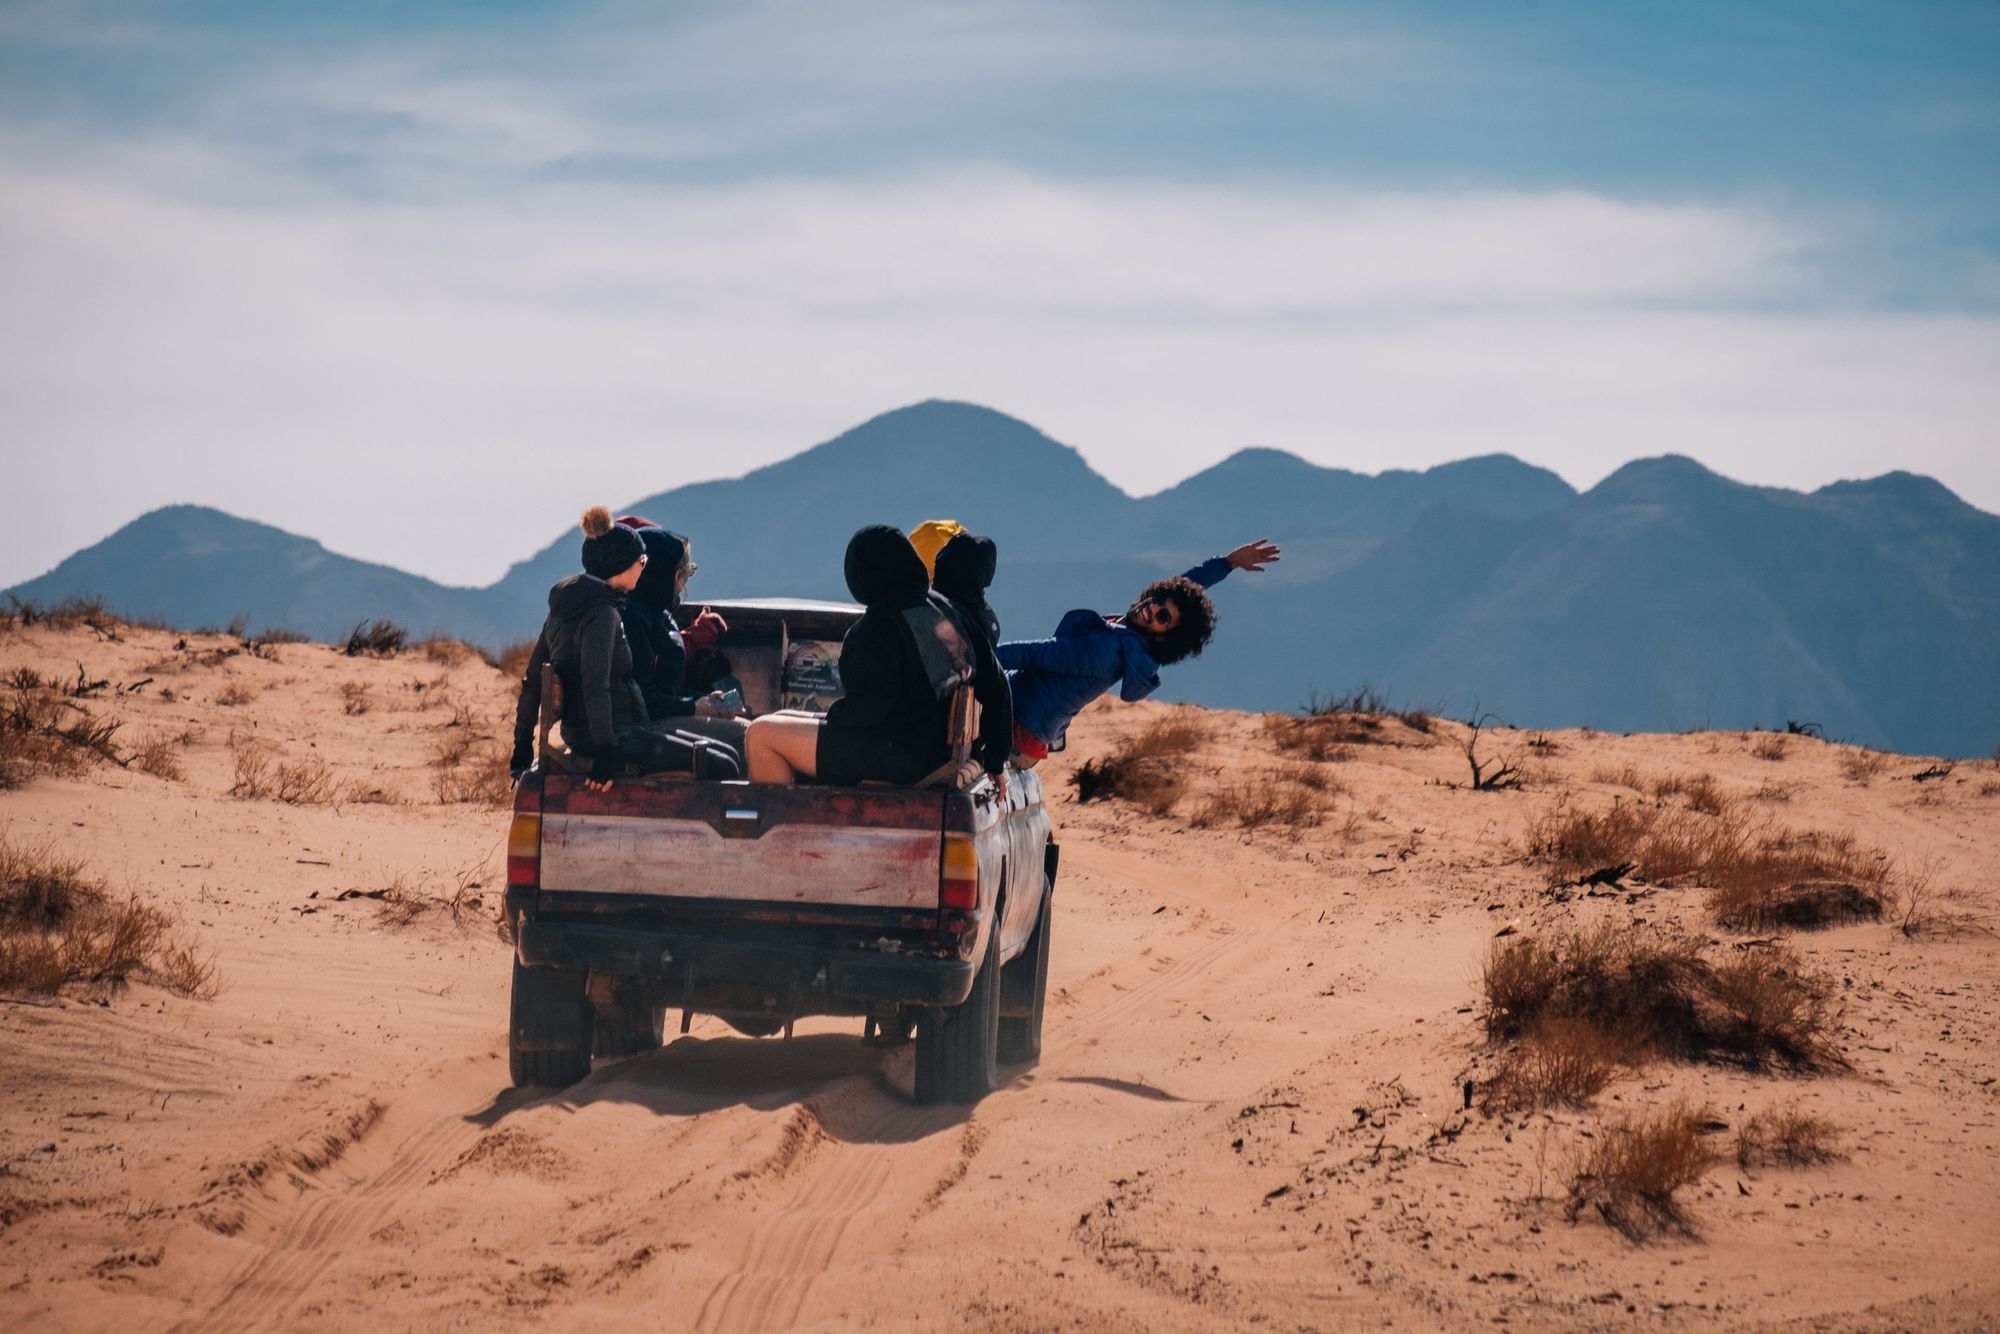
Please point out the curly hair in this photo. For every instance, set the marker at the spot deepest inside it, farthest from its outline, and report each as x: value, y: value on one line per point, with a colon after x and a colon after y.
x: 1191, y: 631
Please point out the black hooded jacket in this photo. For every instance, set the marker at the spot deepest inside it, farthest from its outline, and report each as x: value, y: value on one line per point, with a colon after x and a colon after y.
x: 965, y: 569
x: 887, y: 674
x: 584, y: 638
x: 659, y: 658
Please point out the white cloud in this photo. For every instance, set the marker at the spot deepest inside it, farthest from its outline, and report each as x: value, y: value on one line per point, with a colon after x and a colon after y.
x: 395, y: 378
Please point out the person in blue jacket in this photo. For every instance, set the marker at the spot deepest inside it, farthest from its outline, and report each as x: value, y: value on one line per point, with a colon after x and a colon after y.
x: 1053, y: 679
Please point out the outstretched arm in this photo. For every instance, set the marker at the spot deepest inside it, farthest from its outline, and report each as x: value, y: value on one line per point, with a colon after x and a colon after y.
x: 1061, y: 655
x: 1251, y: 556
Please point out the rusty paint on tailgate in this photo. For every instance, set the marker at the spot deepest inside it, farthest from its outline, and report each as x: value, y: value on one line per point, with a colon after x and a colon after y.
x: 692, y: 858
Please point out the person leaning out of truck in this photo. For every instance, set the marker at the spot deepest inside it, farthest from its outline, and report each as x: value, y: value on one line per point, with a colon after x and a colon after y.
x: 603, y: 713
x: 900, y: 664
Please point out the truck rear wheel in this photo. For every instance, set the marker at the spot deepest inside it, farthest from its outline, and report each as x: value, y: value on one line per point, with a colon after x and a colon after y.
x: 1021, y: 1034
x: 633, y: 1029
x: 958, y: 1058
x: 549, y: 1027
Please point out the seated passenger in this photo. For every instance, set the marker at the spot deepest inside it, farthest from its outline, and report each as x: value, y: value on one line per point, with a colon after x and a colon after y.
x: 603, y: 713
x: 1054, y: 678
x: 900, y: 664
x: 652, y: 627
x: 929, y: 538
x: 964, y: 571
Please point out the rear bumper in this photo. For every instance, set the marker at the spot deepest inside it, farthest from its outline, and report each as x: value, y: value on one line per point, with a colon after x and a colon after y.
x: 794, y: 980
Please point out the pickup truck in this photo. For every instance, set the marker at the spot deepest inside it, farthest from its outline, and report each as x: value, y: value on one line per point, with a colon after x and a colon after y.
x: 924, y: 908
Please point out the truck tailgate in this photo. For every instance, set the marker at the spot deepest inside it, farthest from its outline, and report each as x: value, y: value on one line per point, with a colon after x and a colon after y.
x: 757, y: 842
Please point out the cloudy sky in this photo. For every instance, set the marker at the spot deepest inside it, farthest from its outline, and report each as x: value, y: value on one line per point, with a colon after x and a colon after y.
x: 422, y: 280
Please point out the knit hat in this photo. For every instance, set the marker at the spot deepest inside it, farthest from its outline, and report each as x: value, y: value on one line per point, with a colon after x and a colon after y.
x: 929, y: 538
x: 608, y: 550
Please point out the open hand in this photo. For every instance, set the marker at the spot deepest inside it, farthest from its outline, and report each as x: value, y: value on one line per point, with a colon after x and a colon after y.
x: 1253, y: 556
x: 596, y: 786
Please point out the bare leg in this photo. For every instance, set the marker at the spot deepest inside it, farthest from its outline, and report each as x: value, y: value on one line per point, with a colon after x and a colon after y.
x: 781, y: 748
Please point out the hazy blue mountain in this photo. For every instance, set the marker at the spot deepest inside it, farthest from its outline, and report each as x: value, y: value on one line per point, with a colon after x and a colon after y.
x: 1665, y: 597
x: 193, y: 566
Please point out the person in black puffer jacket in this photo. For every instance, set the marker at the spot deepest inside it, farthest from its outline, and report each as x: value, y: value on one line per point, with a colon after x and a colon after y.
x: 964, y: 571
x: 652, y: 626
x: 603, y: 713
x: 899, y: 666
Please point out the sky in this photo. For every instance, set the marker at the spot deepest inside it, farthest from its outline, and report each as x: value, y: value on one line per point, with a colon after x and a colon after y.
x: 422, y: 281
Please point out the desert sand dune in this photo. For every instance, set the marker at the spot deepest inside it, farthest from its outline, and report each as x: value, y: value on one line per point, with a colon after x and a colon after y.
x: 1251, y: 1110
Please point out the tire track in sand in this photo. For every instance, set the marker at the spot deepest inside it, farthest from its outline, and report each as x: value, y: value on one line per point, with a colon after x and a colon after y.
x: 797, y: 1242
x: 268, y: 1283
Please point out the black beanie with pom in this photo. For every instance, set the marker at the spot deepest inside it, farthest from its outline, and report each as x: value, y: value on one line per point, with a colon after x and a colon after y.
x: 608, y: 549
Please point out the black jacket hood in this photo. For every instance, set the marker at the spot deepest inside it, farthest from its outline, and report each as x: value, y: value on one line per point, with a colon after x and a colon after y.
x: 664, y: 553
x: 577, y: 594
x: 965, y: 568
x: 884, y: 570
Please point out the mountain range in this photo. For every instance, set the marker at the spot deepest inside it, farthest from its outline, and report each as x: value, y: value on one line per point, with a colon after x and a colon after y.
x: 1663, y: 598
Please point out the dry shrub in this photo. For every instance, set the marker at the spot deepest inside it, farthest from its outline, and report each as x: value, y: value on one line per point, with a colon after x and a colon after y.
x: 1761, y: 877
x: 1147, y: 769
x: 43, y: 732
x: 1560, y: 1060
x: 1989, y: 789
x: 443, y: 649
x: 380, y: 638
x: 1770, y: 747
x: 512, y: 659
x: 484, y: 781
x: 1648, y: 989
x: 1776, y: 792
x: 1281, y: 798
x: 59, y: 924
x: 1858, y: 764
x: 158, y: 755
x: 1786, y: 1137
x: 1698, y: 790
x: 402, y: 903
x: 261, y: 774
x: 235, y: 693
x: 278, y: 634
x: 1626, y: 777
x: 1633, y: 1169
x: 354, y: 699
x: 1798, y: 880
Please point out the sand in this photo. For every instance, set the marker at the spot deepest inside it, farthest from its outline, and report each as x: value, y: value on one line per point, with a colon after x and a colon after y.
x: 1250, y: 1111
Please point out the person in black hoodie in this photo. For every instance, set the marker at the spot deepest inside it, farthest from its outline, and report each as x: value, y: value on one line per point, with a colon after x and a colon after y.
x: 964, y: 571
x: 899, y: 666
x: 603, y: 713
x: 652, y: 626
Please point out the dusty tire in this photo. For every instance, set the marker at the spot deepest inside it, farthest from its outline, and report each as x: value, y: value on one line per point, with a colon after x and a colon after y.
x: 958, y: 1049
x: 633, y: 1031
x: 550, y: 1027
x: 1021, y: 1035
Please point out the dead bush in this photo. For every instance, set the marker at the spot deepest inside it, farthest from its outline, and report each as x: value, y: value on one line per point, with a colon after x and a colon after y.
x: 443, y: 649
x: 1697, y: 790
x: 1324, y: 727
x: 1560, y: 1060
x: 1490, y: 774
x: 1278, y: 798
x: 1634, y: 1169
x: 234, y: 694
x: 354, y: 699
x: 1776, y: 792
x: 484, y: 780
x: 379, y: 638
x: 278, y: 634
x: 1858, y: 764
x: 59, y: 924
x: 1147, y: 770
x: 159, y: 755
x: 1798, y: 880
x: 512, y: 659
x: 1653, y: 990
x: 41, y: 731
x: 262, y: 774
x: 1625, y: 777
x: 1575, y: 843
x: 1786, y: 1136
x: 1770, y: 747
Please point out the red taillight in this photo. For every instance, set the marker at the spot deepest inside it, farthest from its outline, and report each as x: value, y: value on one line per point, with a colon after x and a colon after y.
x: 524, y: 849
x: 958, y: 873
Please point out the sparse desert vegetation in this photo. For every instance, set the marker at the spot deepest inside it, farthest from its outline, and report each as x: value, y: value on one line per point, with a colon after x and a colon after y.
x: 1786, y: 1136
x: 1635, y: 1169
x: 1148, y: 770
x: 62, y: 925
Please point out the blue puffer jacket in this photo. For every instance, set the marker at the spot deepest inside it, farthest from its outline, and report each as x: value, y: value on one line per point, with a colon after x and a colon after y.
x: 1053, y: 679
